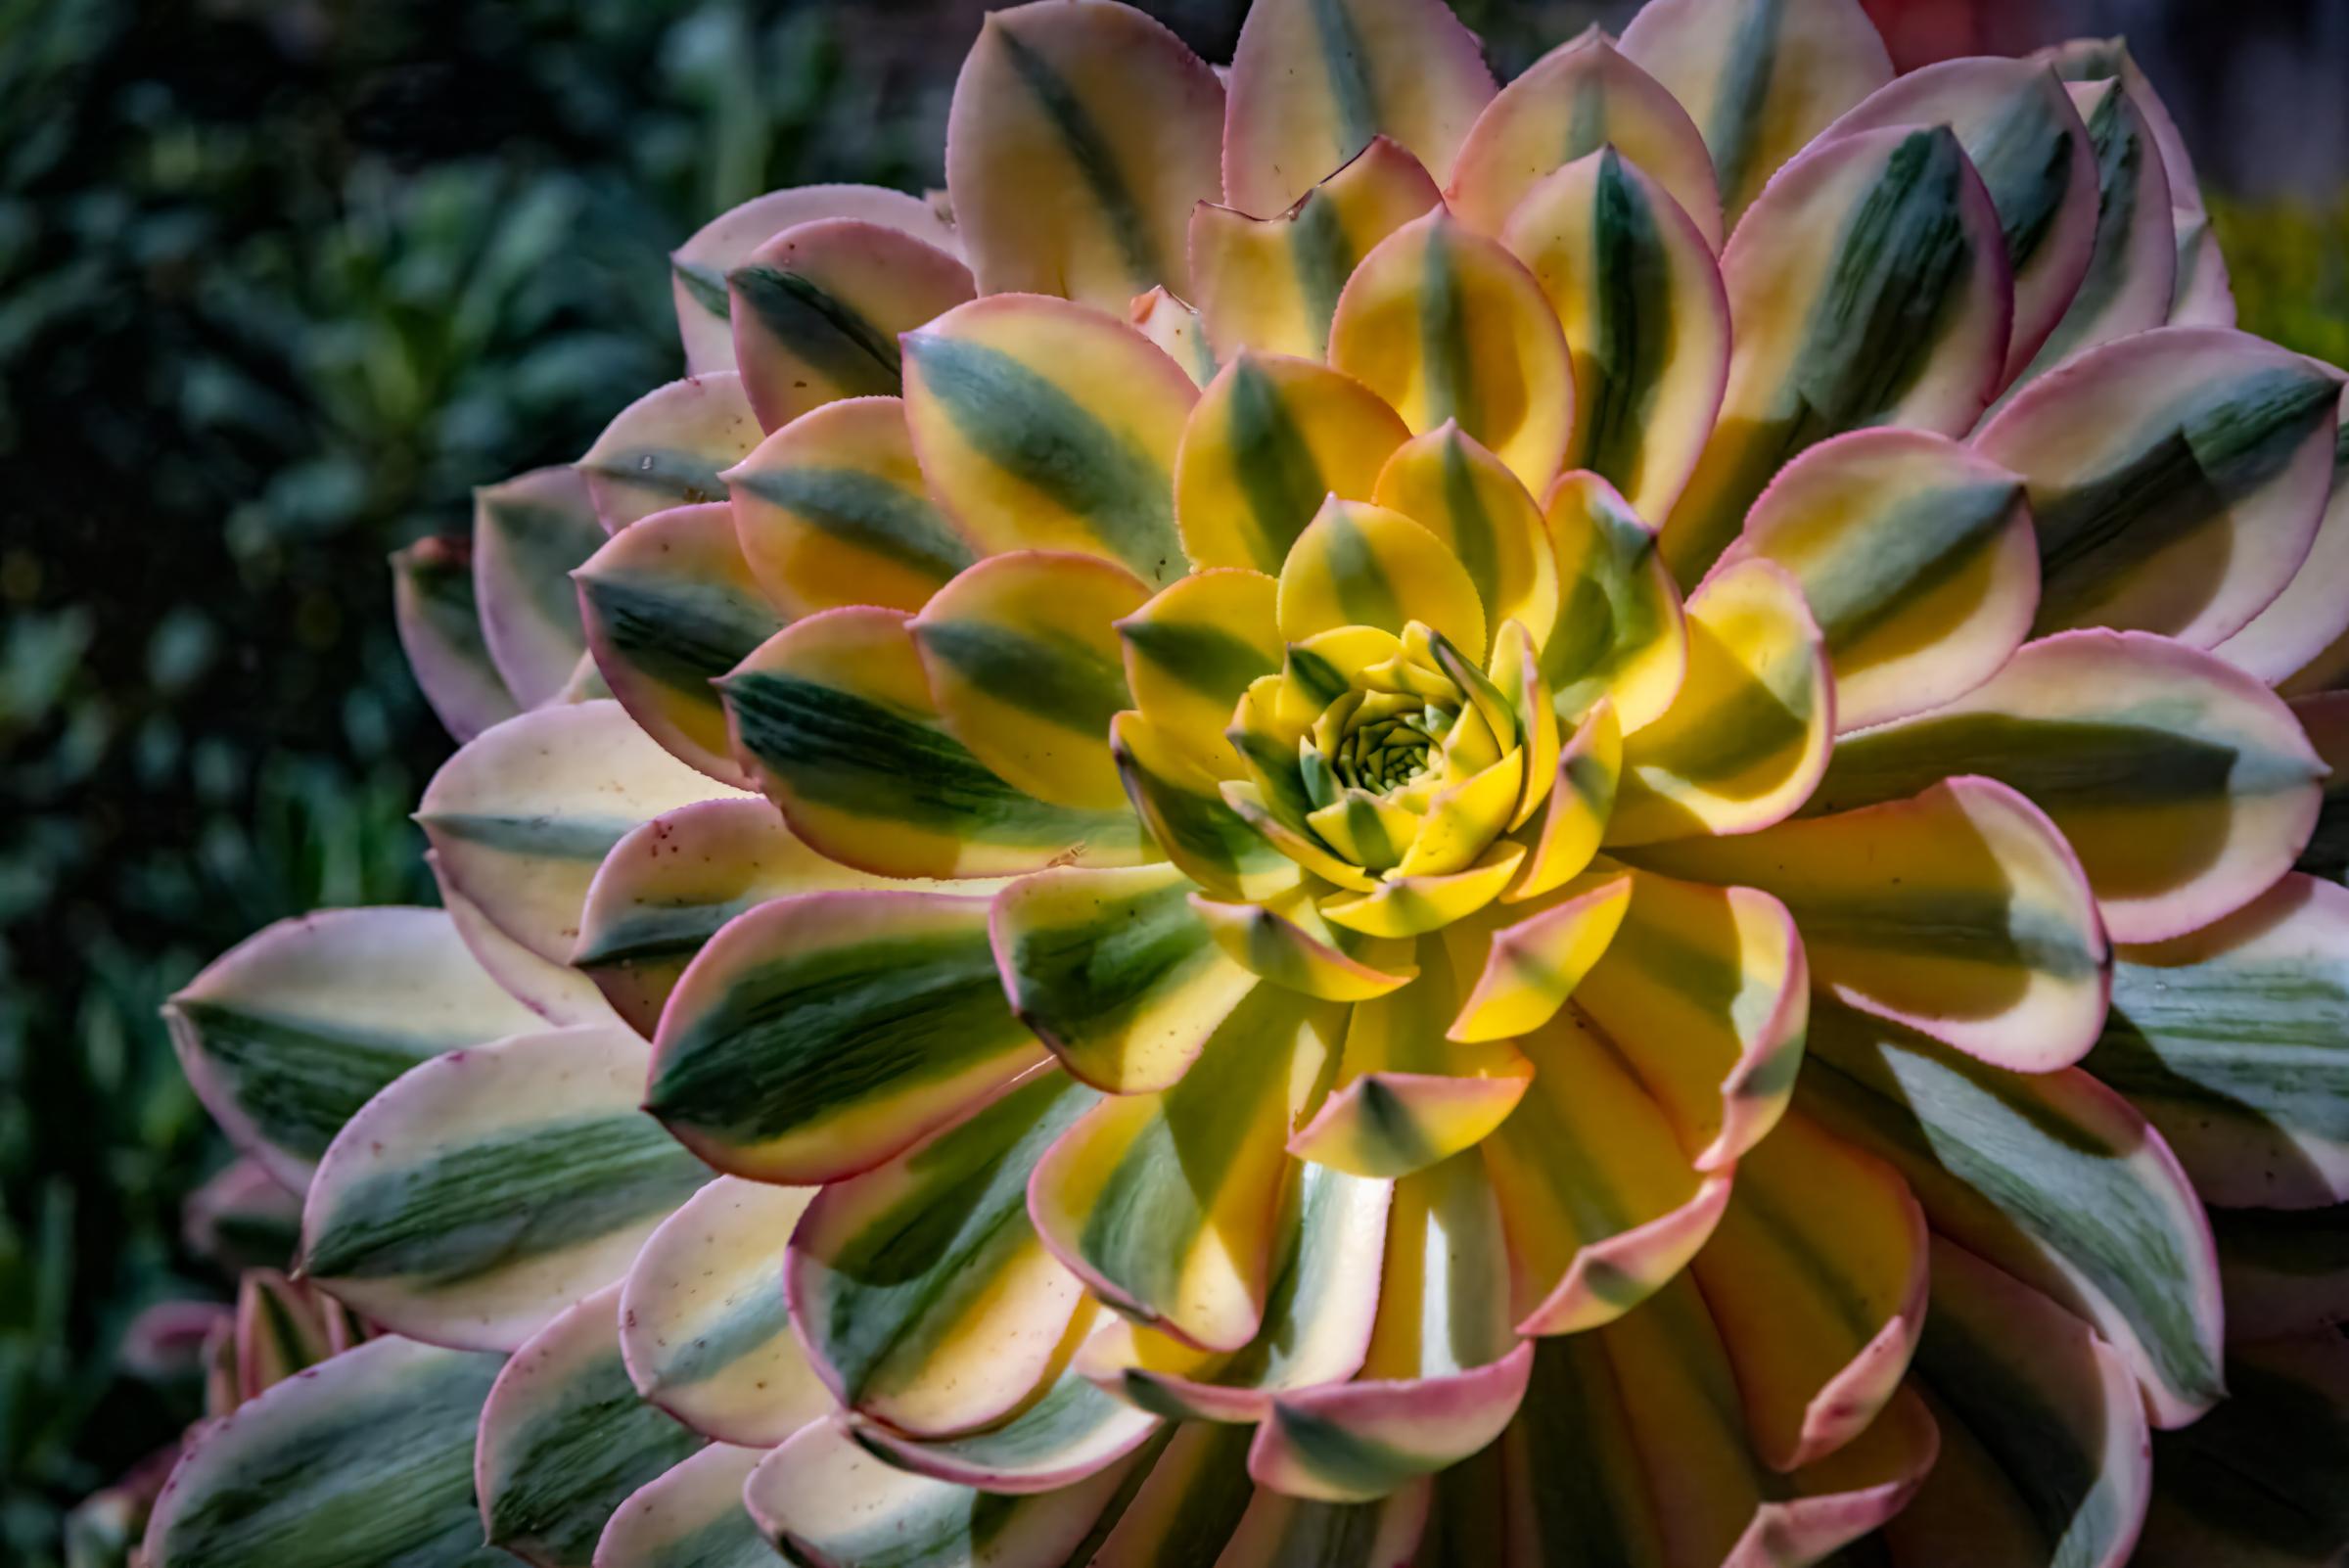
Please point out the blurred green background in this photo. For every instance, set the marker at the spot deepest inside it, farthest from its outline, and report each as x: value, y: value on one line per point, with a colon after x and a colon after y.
x: 279, y: 284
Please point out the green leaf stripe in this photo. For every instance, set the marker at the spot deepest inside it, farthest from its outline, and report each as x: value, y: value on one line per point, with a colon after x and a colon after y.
x: 1051, y: 676
x: 1206, y: 658
x: 685, y: 479
x: 822, y: 330
x: 1276, y: 470
x: 1095, y: 159
x: 683, y: 635
x: 297, y: 1080
x: 1094, y: 976
x: 817, y: 1031
x: 854, y: 755
x: 462, y: 1210
x: 867, y: 511
x: 955, y: 1212
x: 1632, y: 303
x: 1928, y: 538
x: 375, y: 1447
x: 1029, y: 426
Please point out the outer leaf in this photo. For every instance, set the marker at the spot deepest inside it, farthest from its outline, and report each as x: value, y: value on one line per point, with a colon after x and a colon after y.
x: 1444, y: 324
x: 2036, y: 158
x: 818, y: 1035
x: 698, y: 268
x: 1271, y: 283
x: 564, y: 1440
x: 2285, y: 1271
x: 920, y: 1289
x: 2183, y: 786
x: 1193, y: 649
x: 1871, y: 287
x: 2257, y: 1482
x: 824, y: 1501
x: 1759, y: 77
x: 835, y: 714
x: 818, y: 310
x: 2231, y: 1040
x: 1080, y: 138
x: 1174, y: 325
x: 1044, y: 424
x: 375, y: 1445
x: 1313, y: 80
x: 691, y: 1517
x: 668, y: 448
x: 1620, y: 633
x: 528, y: 534
x: 1915, y: 555
x: 1637, y: 290
x: 1961, y: 912
x: 1582, y: 95
x: 2052, y: 1177
x: 2304, y: 628
x: 670, y: 605
x: 488, y: 1189
x: 440, y: 625
x: 2043, y: 1436
x: 557, y: 993
x: 1278, y: 1530
x: 522, y: 815
x: 2133, y: 270
x: 703, y: 1323
x: 2177, y: 477
x: 832, y: 510
x: 287, y: 1034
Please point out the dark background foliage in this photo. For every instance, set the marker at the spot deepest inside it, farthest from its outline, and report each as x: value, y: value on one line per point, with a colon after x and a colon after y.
x: 280, y: 282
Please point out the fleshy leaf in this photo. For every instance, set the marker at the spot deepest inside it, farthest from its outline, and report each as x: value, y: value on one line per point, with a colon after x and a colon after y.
x: 1079, y: 139
x: 2043, y: 1434
x: 698, y: 268
x: 835, y: 714
x: 2183, y: 786
x: 1759, y: 77
x: 1279, y: 1530
x: 557, y: 993
x: 564, y: 1440
x: 920, y: 1289
x: 1273, y: 283
x: 1115, y: 971
x: 488, y: 1189
x: 1313, y: 80
x: 832, y: 510
x: 1193, y: 649
x: 524, y: 813
x: 1453, y: 487
x: 822, y: 1498
x: 703, y: 1323
x: 1190, y: 817
x: 376, y: 1444
x: 1535, y: 957
x: 1271, y: 437
x: 818, y: 1035
x: 2306, y: 626
x: 1961, y: 912
x: 696, y: 1508
x: 1445, y: 325
x: 668, y: 448
x: 818, y: 310
x: 1817, y: 1278
x: 1637, y: 290
x: 1026, y: 669
x: 1444, y: 1374
x: 1174, y: 325
x: 1357, y: 565
x: 2234, y: 1042
x: 1167, y: 1203
x: 2177, y: 479
x: 1620, y: 632
x: 2049, y: 1176
x: 1916, y: 556
x: 2285, y: 1271
x: 1596, y: 1191
x: 1748, y: 735
x: 1870, y: 288
x: 1044, y: 424
x: 1705, y: 994
x: 288, y: 1034
x: 439, y: 627
x: 1583, y: 95
x: 528, y: 534
x: 2025, y: 139
x: 670, y: 605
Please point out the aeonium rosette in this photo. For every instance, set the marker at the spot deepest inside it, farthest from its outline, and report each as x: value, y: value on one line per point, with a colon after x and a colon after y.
x: 1371, y: 819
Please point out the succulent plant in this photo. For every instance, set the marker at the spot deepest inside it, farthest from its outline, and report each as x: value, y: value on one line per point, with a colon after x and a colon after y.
x: 1358, y: 818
